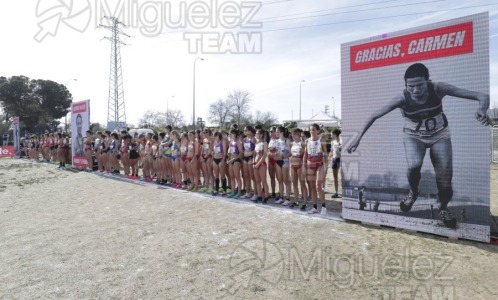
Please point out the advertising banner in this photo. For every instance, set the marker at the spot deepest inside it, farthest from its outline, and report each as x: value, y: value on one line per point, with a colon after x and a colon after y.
x: 80, y: 123
x: 15, y: 136
x: 416, y: 129
x: 7, y: 151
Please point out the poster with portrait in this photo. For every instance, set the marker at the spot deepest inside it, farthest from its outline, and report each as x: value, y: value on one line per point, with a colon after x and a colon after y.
x: 80, y: 123
x: 416, y: 130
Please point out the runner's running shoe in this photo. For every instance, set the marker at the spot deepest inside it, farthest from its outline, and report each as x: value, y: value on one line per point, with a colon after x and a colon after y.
x: 407, y: 203
x: 447, y: 218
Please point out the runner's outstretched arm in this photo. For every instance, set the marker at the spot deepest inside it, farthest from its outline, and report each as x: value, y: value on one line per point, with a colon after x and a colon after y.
x: 396, y: 102
x: 443, y: 88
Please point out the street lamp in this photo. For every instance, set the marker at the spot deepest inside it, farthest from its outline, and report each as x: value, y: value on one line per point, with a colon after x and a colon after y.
x: 73, y: 79
x: 167, y: 104
x: 167, y: 110
x: 300, y: 89
x: 65, y: 117
x: 193, y: 106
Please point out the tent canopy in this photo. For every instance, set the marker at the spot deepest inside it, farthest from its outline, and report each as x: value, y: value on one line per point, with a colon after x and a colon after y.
x: 320, y: 118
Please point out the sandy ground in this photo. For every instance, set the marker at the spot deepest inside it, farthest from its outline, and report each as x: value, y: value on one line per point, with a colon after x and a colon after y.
x: 78, y: 235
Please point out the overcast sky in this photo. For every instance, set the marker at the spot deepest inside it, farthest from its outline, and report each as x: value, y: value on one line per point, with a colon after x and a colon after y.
x: 300, y: 41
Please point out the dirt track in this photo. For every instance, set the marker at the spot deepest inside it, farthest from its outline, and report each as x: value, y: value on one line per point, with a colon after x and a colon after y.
x: 77, y: 235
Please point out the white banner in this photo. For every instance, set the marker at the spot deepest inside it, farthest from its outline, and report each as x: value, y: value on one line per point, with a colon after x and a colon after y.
x: 80, y: 123
x: 16, y: 137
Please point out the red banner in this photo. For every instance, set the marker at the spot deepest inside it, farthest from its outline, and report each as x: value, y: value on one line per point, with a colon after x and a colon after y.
x: 7, y: 151
x: 79, y: 107
x: 80, y: 162
x: 445, y: 41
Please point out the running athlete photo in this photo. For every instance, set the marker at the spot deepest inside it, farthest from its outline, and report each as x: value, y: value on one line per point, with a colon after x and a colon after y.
x: 426, y: 127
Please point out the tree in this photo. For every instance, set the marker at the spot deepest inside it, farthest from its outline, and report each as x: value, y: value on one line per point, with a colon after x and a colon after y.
x: 4, y: 123
x: 264, y: 118
x: 160, y: 119
x: 94, y: 127
x: 34, y: 101
x: 219, y: 112
x: 201, y: 123
x: 151, y: 119
x: 55, y: 98
x: 174, y: 118
x: 239, y: 100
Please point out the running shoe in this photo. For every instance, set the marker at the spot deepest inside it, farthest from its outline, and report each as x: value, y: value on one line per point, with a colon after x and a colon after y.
x: 447, y: 218
x: 294, y: 204
x: 312, y: 211
x: 254, y: 198
x: 215, y: 193
x: 279, y: 201
x: 257, y: 200
x: 286, y: 202
x: 407, y: 203
x: 303, y: 207
x: 246, y: 196
x: 228, y: 191
x: 323, y: 212
x: 335, y: 195
x: 237, y: 196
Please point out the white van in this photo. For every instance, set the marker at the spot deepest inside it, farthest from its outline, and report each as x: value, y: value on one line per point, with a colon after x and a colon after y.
x: 141, y: 131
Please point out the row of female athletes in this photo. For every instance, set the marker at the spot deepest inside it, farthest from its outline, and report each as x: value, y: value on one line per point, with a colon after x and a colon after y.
x: 49, y: 147
x: 234, y: 164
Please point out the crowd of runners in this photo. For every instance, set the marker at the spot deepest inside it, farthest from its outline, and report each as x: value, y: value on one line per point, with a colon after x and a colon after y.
x: 234, y: 164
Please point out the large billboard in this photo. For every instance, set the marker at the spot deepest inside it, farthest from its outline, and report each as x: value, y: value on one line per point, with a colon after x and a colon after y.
x: 416, y: 129
x: 80, y: 123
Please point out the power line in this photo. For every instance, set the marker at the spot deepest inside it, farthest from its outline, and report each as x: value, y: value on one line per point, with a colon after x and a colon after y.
x: 378, y: 18
x: 276, y: 2
x: 324, y: 10
x: 354, y: 21
x: 354, y: 11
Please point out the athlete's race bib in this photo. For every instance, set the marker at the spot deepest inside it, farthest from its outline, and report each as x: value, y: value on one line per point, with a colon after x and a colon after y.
x: 296, y: 150
x: 314, y: 148
x: 425, y: 127
x: 247, y: 146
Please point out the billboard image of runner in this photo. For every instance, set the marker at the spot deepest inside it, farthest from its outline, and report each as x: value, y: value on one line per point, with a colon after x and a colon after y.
x: 80, y: 123
x: 415, y: 117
